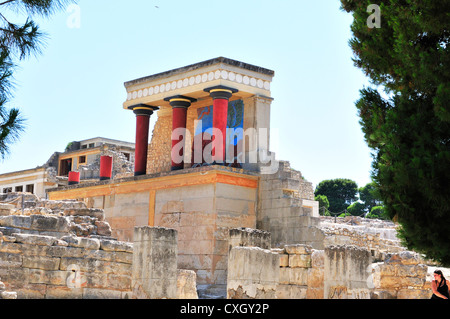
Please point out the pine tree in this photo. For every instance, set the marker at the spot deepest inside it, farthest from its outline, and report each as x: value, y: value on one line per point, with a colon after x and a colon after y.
x: 18, y: 41
x: 340, y: 192
x: 408, y: 125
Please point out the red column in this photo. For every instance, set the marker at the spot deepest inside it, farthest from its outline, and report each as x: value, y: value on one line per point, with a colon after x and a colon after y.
x: 143, y: 113
x: 221, y: 95
x: 179, y: 104
x: 105, y: 167
x: 74, y: 178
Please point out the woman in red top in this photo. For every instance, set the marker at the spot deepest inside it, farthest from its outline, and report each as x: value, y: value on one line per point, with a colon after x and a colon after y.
x: 440, y: 286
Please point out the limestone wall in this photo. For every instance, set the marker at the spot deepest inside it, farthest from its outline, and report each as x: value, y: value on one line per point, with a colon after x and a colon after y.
x: 155, y: 263
x: 61, y: 249
x: 40, y: 266
x: 346, y: 271
x: 159, y: 149
x: 400, y: 276
x: 337, y: 272
x: 376, y: 235
x: 252, y: 273
x: 301, y: 272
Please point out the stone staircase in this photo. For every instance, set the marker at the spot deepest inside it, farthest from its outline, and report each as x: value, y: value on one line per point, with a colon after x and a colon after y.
x: 287, y: 208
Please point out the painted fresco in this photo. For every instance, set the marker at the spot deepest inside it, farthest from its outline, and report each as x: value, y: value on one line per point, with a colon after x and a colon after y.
x: 234, y: 141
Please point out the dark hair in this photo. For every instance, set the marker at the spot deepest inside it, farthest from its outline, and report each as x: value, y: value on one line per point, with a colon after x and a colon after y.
x: 437, y: 271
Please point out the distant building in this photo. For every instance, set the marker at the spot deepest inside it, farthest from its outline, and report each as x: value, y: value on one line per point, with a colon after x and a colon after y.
x: 82, y: 156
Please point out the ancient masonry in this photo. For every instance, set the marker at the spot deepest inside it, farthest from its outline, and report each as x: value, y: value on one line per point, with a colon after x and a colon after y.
x: 207, y: 212
x: 62, y: 249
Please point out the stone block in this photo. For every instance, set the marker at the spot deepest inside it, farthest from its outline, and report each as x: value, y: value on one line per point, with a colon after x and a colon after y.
x: 48, y: 277
x: 291, y: 292
x: 404, y: 257
x: 49, y: 223
x: 253, y: 272
x: 315, y: 278
x: 186, y: 284
x: 9, y: 260
x: 63, y: 292
x: 34, y: 239
x: 16, y: 221
x: 32, y: 291
x: 41, y: 262
x: 303, y: 261
x: 414, y: 294
x: 114, y: 245
x: 285, y: 276
x: 103, y: 228
x: 298, y: 276
x: 249, y: 237
x: 284, y: 260
x: 314, y: 293
x: 8, y: 294
x: 82, y: 242
x: 154, y: 268
x: 298, y: 249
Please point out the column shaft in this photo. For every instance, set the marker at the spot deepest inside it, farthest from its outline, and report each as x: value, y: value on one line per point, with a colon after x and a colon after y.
x: 141, y: 147
x: 178, y: 127
x: 179, y: 104
x: 143, y: 113
x: 221, y: 95
x: 220, y: 112
x: 105, y: 167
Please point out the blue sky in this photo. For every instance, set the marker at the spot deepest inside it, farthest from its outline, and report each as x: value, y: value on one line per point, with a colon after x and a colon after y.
x: 74, y: 90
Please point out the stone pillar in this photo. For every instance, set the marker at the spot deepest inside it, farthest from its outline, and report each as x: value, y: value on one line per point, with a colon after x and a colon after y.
x: 105, y: 167
x: 221, y: 95
x: 179, y: 104
x: 347, y: 272
x: 253, y: 273
x: 143, y: 113
x: 154, y: 274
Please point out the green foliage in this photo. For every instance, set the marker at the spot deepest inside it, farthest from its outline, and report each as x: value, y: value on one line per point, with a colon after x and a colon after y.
x: 408, y: 127
x: 324, y: 204
x: 340, y: 192
x: 377, y: 212
x: 18, y: 41
x: 369, y: 196
x: 357, y: 209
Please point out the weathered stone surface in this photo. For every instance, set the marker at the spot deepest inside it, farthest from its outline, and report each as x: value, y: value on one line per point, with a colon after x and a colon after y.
x: 103, y: 228
x: 114, y: 245
x: 303, y: 261
x: 298, y: 249
x: 253, y: 272
x: 186, y: 284
x: 83, y: 242
x: 35, y: 239
x: 8, y: 295
x: 41, y: 262
x: 155, y: 262
x: 16, y: 221
x: 49, y: 223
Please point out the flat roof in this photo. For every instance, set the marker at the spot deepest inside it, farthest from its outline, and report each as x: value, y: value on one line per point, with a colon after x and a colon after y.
x: 198, y: 65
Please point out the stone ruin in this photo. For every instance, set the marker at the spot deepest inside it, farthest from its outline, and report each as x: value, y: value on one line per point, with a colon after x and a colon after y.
x: 62, y: 249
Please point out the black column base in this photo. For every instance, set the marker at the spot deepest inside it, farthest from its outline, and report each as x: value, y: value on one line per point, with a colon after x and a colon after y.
x: 139, y: 173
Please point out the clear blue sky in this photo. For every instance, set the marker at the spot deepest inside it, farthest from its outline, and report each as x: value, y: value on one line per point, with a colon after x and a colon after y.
x: 74, y: 89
